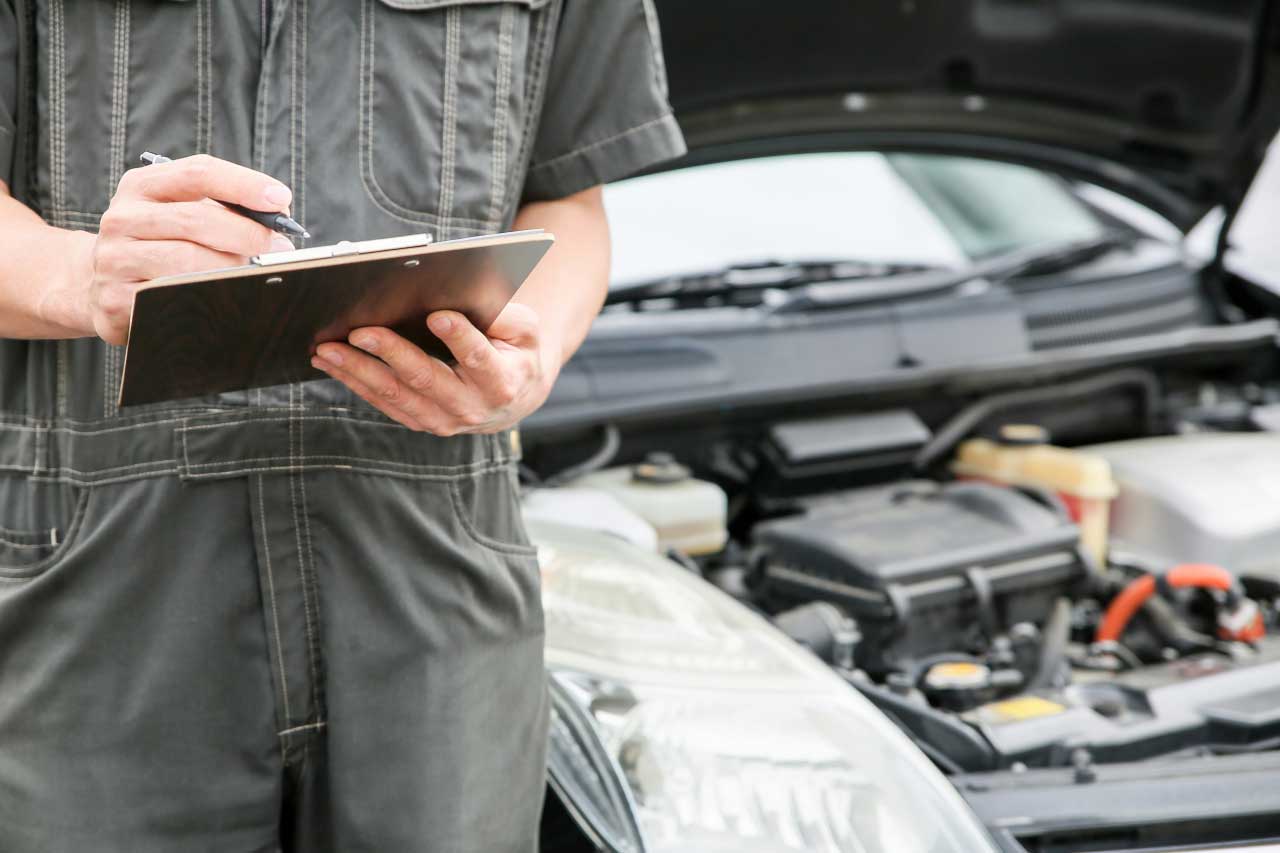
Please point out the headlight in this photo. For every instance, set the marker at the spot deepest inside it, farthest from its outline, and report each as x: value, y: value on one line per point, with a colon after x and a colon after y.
x: 684, y: 722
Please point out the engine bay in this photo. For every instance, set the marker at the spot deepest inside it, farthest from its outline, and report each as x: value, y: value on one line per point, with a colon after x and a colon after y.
x: 1011, y: 596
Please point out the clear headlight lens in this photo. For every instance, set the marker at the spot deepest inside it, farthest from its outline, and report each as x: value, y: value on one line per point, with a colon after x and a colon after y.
x: 719, y: 733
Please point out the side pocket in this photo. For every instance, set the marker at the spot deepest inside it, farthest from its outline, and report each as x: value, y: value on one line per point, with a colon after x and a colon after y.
x: 487, y: 507
x: 28, y: 553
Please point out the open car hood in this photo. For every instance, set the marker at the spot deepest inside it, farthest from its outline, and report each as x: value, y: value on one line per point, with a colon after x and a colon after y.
x: 1172, y: 102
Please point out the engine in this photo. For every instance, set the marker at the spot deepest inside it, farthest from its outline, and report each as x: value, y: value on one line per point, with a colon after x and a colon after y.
x: 1025, y: 604
x: 927, y: 570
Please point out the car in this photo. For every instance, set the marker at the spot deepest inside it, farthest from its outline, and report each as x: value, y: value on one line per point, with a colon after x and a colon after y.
x: 918, y: 488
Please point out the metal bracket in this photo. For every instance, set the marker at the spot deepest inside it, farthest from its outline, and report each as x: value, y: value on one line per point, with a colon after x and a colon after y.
x: 340, y: 249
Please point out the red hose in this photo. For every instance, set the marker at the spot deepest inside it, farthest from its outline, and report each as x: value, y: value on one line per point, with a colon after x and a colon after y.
x: 1133, y: 596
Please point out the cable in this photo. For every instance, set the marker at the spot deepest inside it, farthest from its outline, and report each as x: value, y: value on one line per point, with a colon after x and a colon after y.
x: 954, y: 430
x: 1053, y: 647
x: 602, y: 457
x: 1132, y: 597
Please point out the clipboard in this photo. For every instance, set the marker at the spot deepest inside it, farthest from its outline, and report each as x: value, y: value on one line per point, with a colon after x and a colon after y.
x: 259, y: 324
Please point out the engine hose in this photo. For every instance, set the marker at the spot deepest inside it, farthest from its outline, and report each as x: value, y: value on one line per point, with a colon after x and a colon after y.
x: 1133, y: 596
x: 1053, y: 648
x: 1171, y: 629
x: 602, y: 457
x: 954, y: 431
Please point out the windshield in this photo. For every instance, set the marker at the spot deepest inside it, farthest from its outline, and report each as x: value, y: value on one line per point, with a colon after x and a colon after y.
x: 929, y: 210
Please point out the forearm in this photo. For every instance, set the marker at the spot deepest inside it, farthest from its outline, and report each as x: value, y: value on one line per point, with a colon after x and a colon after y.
x: 44, y: 275
x: 568, y: 287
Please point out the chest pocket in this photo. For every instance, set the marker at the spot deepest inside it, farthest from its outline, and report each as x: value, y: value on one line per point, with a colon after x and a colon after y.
x: 445, y: 88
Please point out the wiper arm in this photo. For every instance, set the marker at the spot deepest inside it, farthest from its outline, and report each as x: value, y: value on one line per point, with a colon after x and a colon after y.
x: 1032, y: 260
x: 1055, y: 257
x: 743, y: 284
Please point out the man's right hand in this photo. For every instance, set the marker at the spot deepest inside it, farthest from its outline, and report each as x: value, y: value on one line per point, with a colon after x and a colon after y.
x: 162, y: 221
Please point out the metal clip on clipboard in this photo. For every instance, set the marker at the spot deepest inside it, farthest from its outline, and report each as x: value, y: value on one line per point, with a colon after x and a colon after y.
x: 345, y: 247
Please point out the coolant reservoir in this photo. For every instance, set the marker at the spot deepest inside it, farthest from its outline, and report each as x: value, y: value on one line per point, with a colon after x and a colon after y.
x: 1023, y: 457
x: 690, y: 515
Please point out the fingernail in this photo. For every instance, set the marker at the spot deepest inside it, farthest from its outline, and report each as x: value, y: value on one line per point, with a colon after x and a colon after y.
x: 440, y: 325
x: 277, y: 195
x: 330, y: 355
x: 368, y: 343
x: 317, y: 362
x: 280, y: 243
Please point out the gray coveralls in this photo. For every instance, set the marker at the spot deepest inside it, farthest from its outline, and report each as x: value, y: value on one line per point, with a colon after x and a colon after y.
x: 274, y: 619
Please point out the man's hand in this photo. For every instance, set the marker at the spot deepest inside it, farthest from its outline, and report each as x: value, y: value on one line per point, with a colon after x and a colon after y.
x: 497, y: 380
x: 504, y: 375
x: 162, y: 222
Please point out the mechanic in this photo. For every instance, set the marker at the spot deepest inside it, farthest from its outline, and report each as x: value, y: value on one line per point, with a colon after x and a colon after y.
x: 288, y: 619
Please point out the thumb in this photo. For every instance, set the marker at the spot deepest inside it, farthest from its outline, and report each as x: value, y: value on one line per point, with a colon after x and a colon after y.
x: 517, y: 325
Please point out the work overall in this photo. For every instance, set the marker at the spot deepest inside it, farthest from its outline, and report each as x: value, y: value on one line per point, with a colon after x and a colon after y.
x: 274, y: 619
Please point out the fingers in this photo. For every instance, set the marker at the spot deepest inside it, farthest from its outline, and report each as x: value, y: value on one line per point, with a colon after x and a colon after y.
x: 477, y: 358
x: 366, y: 393
x: 111, y: 309
x: 142, y: 260
x: 122, y: 265
x: 202, y: 176
x: 207, y: 224
x: 417, y: 370
x: 376, y: 384
x: 517, y: 325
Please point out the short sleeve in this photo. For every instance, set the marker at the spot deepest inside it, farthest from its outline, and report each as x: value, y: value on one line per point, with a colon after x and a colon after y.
x: 8, y: 88
x: 606, y: 113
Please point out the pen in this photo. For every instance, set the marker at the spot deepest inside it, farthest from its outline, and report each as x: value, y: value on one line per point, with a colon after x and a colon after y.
x: 277, y: 222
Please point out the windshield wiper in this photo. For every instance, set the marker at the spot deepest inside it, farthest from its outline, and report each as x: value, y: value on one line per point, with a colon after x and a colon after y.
x: 745, y: 284
x: 1024, y: 261
x: 794, y: 286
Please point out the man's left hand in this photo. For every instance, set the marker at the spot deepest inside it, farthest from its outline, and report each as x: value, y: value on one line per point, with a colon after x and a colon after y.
x: 499, y: 378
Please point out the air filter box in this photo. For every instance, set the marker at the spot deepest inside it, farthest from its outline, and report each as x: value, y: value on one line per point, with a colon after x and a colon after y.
x: 818, y: 454
x: 925, y: 568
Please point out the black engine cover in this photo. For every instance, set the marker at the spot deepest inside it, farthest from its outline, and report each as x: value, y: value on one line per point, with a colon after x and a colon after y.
x: 925, y: 568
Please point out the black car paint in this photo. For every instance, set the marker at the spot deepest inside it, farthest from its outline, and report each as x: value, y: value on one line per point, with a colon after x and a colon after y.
x: 1171, y: 101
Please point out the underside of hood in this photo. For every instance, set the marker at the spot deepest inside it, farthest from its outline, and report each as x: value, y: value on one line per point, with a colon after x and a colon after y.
x: 1171, y: 101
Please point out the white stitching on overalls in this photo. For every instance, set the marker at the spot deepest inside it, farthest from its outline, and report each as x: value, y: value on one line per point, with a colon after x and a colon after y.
x: 208, y: 76
x: 199, y: 72
x: 297, y: 392
x: 301, y: 189
x: 57, y: 104
x: 57, y: 155
x: 599, y: 143
x: 245, y: 467
x: 361, y: 463
x: 41, y: 438
x: 655, y: 38
x: 449, y: 131
x: 293, y: 110
x: 275, y: 614
x: 264, y: 92
x: 295, y: 479
x: 202, y: 76
x: 309, y: 600
x: 115, y: 169
x: 302, y: 728
x: 62, y: 357
x: 501, y: 99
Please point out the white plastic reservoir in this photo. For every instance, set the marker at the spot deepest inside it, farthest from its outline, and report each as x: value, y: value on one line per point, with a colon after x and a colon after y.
x: 690, y: 515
